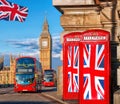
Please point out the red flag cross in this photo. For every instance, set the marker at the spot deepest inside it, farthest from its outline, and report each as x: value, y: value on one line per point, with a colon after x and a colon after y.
x: 73, y: 68
x: 93, y: 68
x: 10, y: 11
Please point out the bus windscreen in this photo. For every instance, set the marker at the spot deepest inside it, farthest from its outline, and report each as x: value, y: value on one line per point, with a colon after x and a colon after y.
x: 48, y: 72
x: 25, y: 65
x: 24, y: 79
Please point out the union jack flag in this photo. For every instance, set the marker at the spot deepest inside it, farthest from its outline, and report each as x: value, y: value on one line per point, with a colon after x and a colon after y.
x: 93, y: 56
x: 12, y: 12
x: 73, y: 68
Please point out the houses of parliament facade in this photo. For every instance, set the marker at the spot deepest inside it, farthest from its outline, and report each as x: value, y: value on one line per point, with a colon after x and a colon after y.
x: 7, y: 73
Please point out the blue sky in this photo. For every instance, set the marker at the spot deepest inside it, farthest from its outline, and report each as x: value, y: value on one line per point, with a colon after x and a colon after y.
x: 22, y: 38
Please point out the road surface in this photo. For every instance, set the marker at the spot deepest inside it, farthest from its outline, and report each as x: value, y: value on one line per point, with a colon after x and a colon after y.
x: 8, y: 96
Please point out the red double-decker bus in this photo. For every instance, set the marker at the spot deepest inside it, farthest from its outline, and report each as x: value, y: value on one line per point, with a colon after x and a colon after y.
x: 49, y: 77
x: 28, y: 75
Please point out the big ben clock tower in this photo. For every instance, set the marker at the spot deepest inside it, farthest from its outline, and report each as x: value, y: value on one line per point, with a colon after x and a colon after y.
x: 45, y: 47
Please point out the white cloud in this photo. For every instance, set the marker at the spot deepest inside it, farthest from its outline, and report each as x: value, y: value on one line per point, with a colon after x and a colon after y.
x: 31, y: 46
x: 56, y: 46
x: 25, y: 43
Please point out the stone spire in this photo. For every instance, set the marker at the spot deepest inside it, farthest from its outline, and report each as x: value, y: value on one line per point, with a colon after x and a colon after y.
x: 45, y: 27
x: 1, y: 62
x: 11, y: 58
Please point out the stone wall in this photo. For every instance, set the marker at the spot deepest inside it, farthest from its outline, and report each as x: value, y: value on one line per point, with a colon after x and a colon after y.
x: 117, y: 97
x: 60, y: 81
x: 79, y: 16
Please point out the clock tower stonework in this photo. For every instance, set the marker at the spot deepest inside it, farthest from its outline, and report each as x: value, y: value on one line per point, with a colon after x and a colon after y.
x: 45, y: 47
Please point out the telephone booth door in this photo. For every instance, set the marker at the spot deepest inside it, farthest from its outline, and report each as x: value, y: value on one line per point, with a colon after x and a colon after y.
x: 71, y: 64
x: 95, y: 68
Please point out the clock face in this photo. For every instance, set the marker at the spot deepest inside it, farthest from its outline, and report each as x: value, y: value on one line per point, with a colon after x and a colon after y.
x: 44, y: 43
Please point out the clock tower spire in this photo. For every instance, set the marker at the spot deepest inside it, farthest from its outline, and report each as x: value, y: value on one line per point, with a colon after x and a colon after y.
x: 45, y: 26
x: 45, y: 46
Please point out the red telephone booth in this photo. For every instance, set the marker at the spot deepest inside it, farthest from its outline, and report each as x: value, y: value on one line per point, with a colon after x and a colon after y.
x: 71, y: 56
x: 95, y: 67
